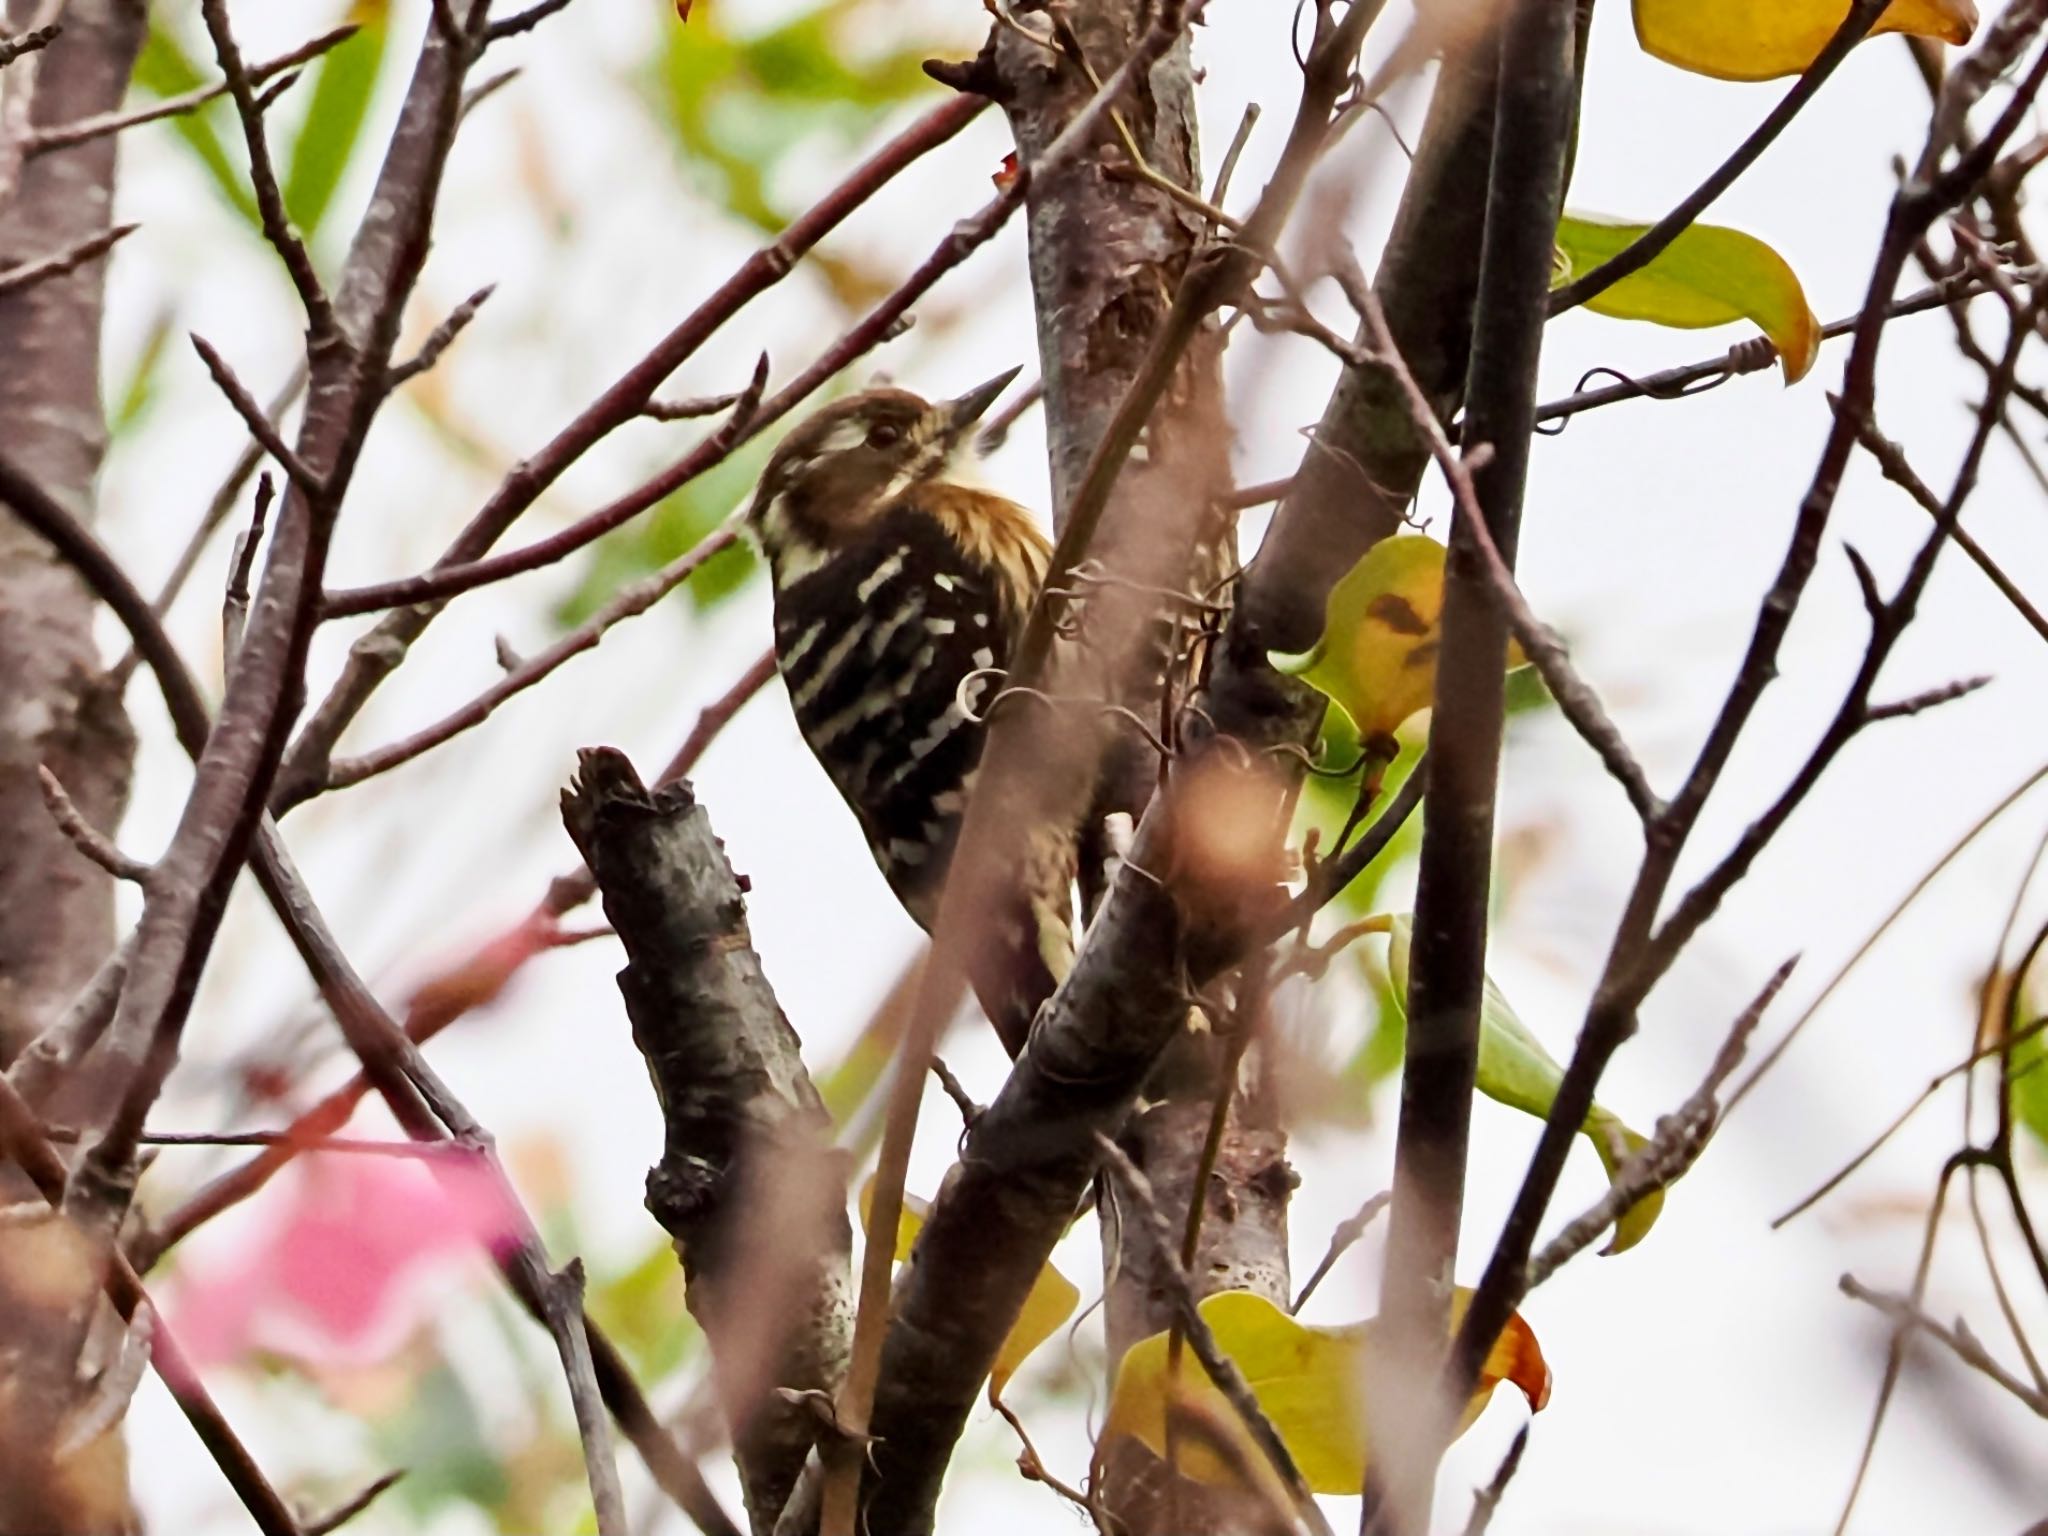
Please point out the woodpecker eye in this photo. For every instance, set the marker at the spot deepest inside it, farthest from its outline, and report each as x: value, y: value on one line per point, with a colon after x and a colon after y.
x: 884, y: 434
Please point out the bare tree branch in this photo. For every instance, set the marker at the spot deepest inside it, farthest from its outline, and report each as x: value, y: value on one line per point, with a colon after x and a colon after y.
x: 277, y: 228
x: 747, y: 1184
x: 28, y: 273
x: 374, y: 658
x: 630, y: 600
x: 257, y: 420
x: 12, y: 48
x: 1959, y: 1340
x: 562, y: 1309
x: 1642, y: 951
x: 85, y: 837
x: 100, y: 124
x: 440, y: 339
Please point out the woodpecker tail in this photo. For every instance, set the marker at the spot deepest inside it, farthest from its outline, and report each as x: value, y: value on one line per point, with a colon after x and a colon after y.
x: 1028, y: 947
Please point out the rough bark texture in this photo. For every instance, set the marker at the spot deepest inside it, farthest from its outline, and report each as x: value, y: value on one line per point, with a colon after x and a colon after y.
x: 56, y: 910
x: 1107, y: 251
x: 1242, y: 1246
x: 1107, y: 254
x: 56, y: 709
x: 747, y: 1185
x: 1029, y: 1158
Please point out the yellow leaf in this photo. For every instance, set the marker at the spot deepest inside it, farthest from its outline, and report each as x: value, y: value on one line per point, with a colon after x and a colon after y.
x: 1376, y: 659
x: 1709, y: 275
x: 1763, y: 39
x: 1051, y: 1302
x: 1311, y: 1383
x: 1616, y: 1144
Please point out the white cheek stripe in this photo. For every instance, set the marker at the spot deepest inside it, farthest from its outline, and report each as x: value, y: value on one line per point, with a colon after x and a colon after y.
x: 791, y: 558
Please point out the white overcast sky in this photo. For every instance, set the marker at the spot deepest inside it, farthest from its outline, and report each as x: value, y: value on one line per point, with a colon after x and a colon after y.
x: 1713, y: 1380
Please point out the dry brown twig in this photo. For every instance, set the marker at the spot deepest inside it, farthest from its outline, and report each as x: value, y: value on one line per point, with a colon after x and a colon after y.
x: 25, y: 274
x: 1905, y: 1315
x: 92, y: 843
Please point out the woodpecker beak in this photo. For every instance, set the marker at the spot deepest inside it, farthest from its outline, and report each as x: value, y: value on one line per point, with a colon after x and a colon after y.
x: 961, y: 414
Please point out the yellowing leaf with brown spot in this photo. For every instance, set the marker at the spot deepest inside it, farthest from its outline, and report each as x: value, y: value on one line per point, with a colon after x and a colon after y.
x: 1051, y: 1302
x: 1763, y: 39
x: 1709, y: 275
x: 1311, y: 1382
x: 1377, y: 656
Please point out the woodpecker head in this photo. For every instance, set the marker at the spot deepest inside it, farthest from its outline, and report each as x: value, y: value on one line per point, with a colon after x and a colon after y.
x: 846, y: 464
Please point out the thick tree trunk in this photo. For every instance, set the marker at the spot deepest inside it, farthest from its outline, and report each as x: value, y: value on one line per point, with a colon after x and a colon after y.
x: 1107, y: 254
x: 62, y: 1463
x: 56, y: 910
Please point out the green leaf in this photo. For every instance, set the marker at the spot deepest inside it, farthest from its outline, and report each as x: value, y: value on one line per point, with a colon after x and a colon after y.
x: 741, y: 107
x: 642, y: 1307
x: 344, y: 78
x: 165, y: 69
x: 1515, y: 1070
x: 438, y: 1437
x: 133, y: 399
x: 1709, y: 275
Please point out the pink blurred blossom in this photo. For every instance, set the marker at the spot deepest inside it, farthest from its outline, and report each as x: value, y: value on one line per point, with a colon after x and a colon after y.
x: 348, y: 1266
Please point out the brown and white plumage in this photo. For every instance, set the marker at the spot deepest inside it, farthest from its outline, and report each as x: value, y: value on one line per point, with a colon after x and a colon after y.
x: 899, y: 594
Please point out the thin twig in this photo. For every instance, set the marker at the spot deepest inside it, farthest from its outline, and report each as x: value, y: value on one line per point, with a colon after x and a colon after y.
x: 1841, y: 1175
x: 1576, y: 699
x: 1348, y: 1232
x: 257, y: 420
x: 1925, y: 699
x: 439, y: 339
x: 1983, y: 823
x: 1891, y: 458
x: 1679, y: 1140
x: 12, y: 48
x: 562, y: 1310
x: 1752, y: 356
x: 94, y: 844
x: 689, y: 408
x: 225, y: 496
x: 630, y: 600
x: 277, y: 228
x: 749, y: 415
x: 234, y: 605
x: 341, y: 1514
x: 522, y: 21
x: 81, y: 130
x: 1488, y: 1498
x: 25, y: 274
x: 1906, y: 1316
